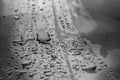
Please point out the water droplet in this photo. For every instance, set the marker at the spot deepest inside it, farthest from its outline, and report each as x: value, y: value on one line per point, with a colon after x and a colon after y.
x: 41, y: 9
x: 16, y: 17
x: 16, y: 10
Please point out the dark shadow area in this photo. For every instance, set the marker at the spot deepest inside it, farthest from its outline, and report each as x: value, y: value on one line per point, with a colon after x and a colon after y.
x: 3, y: 37
x: 8, y: 61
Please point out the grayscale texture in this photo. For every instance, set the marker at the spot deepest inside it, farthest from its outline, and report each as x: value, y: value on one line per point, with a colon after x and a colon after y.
x: 59, y: 40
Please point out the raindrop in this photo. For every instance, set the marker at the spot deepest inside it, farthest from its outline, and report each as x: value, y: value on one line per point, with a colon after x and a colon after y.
x: 16, y: 10
x: 16, y: 17
x: 41, y: 9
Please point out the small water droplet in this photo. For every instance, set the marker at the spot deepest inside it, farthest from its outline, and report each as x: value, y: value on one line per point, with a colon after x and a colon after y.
x: 16, y: 17
x: 16, y: 10
x: 41, y: 9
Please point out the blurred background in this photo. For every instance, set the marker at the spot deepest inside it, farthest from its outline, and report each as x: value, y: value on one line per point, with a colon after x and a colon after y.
x: 106, y: 14
x: 99, y: 22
